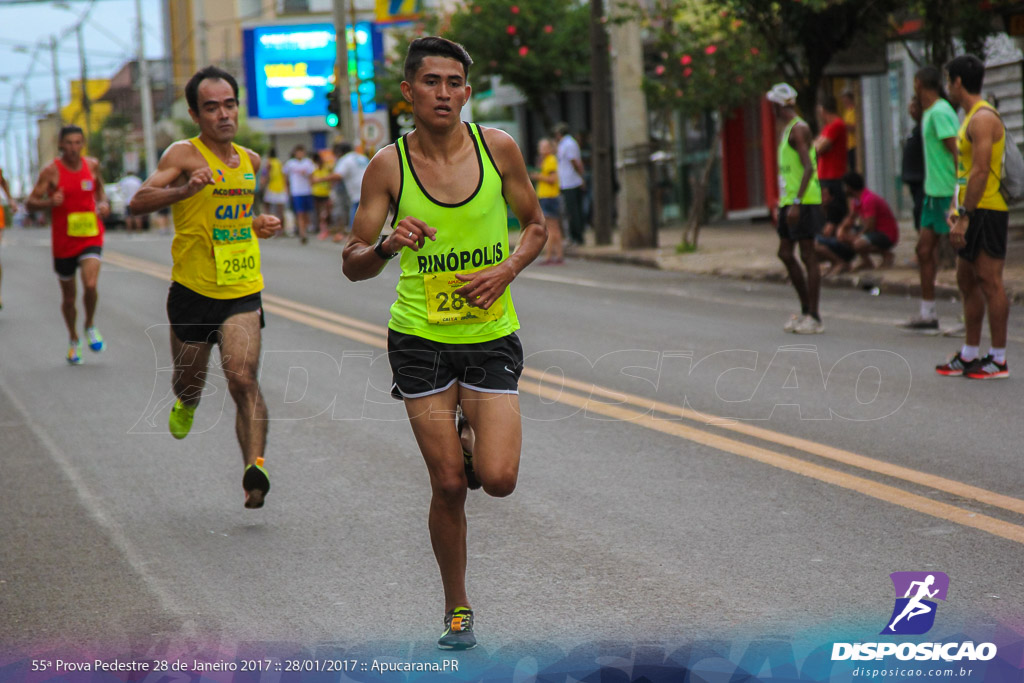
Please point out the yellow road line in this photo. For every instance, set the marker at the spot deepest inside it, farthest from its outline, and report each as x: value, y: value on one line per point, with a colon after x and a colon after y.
x: 950, y: 486
x: 890, y: 494
x: 373, y: 335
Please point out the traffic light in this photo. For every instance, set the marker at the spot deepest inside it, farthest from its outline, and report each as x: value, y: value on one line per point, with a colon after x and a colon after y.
x: 333, y: 108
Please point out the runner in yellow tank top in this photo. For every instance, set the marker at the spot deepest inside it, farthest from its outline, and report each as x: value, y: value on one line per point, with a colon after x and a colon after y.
x: 978, y: 224
x: 215, y: 294
x: 451, y: 339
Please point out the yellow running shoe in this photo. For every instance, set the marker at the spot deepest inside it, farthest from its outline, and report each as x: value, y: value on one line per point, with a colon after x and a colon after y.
x: 180, y: 421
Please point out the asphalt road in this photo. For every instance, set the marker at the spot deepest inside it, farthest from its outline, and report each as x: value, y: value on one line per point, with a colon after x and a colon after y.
x: 689, y: 470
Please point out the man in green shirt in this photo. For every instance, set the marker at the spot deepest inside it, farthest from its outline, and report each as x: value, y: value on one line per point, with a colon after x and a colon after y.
x: 800, y: 217
x: 939, y: 125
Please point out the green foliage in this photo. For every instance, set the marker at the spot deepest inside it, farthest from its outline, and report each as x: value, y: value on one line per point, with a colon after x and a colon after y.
x: 538, y: 46
x: 108, y: 145
x: 945, y: 20
x: 803, y: 36
x: 702, y: 56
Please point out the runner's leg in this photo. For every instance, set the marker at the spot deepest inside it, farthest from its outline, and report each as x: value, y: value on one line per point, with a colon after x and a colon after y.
x: 498, y: 432
x: 90, y: 273
x: 796, y: 273
x: 240, y: 359
x: 67, y: 306
x: 190, y: 363
x: 990, y: 277
x: 433, y: 424
x: 973, y: 298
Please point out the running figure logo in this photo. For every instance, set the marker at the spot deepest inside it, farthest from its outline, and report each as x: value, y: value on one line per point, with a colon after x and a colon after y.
x: 914, y: 612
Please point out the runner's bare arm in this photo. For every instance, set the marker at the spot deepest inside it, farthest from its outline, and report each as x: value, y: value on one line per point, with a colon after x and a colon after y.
x: 254, y: 159
x: 484, y: 287
x: 45, y: 194
x: 379, y: 193
x: 181, y: 173
x: 99, y: 189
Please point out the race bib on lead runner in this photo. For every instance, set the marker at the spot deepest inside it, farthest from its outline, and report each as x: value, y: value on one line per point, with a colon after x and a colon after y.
x: 445, y: 307
x: 237, y: 262
x: 83, y: 224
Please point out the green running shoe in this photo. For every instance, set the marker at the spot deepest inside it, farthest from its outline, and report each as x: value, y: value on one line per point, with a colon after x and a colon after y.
x: 256, y: 484
x: 75, y: 353
x: 180, y: 420
x: 96, y: 342
x: 458, y: 630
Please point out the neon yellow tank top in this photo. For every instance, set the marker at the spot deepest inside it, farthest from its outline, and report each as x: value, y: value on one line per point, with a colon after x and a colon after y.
x: 791, y: 171
x: 991, y: 199
x: 471, y: 235
x: 275, y: 176
x: 215, y: 252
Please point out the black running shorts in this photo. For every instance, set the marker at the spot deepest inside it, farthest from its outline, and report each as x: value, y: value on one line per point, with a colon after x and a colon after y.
x: 197, y: 319
x: 66, y: 267
x: 812, y: 220
x: 421, y: 367
x: 986, y: 231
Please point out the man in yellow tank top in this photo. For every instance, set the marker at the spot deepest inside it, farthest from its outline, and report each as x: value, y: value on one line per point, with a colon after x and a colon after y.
x: 978, y: 224
x: 451, y: 339
x: 214, y: 297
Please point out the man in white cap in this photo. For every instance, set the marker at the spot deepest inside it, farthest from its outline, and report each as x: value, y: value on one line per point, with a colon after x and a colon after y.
x: 800, y: 217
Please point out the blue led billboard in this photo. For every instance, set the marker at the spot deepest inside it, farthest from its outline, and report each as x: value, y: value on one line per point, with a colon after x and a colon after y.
x: 290, y: 68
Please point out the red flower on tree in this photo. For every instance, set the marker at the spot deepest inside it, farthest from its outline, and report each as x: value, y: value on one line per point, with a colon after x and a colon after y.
x: 510, y: 29
x: 685, y: 59
x: 710, y: 50
x: 523, y: 51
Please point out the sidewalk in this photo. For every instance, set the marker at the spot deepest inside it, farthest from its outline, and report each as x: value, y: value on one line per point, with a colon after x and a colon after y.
x: 747, y: 251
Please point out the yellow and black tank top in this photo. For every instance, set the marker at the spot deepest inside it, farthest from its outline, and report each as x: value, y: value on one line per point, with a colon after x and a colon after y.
x: 215, y: 251
x: 992, y: 198
x: 471, y: 235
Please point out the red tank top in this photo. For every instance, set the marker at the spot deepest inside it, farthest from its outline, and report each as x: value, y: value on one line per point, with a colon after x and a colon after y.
x: 75, y: 224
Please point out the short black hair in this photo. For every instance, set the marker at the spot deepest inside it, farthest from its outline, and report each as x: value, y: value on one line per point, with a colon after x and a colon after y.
x: 854, y: 181
x: 211, y: 72
x: 829, y: 104
x: 70, y: 130
x: 969, y: 69
x: 342, y: 148
x: 434, y: 46
x: 930, y: 78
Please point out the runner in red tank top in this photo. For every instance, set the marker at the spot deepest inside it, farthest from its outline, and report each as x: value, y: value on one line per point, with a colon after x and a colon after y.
x: 73, y: 191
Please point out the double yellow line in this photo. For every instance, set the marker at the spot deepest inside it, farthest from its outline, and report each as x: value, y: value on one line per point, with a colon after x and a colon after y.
x: 666, y: 418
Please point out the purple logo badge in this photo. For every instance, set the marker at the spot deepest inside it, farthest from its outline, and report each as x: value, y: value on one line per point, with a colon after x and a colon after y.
x: 914, y: 611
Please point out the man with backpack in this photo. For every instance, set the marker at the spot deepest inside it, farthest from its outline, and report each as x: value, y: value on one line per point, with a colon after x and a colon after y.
x: 978, y: 223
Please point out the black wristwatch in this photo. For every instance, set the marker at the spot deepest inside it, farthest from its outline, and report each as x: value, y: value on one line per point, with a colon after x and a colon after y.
x: 378, y: 248
x: 966, y: 214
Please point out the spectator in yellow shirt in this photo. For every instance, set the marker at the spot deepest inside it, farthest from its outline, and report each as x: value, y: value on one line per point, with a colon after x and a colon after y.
x: 548, y: 193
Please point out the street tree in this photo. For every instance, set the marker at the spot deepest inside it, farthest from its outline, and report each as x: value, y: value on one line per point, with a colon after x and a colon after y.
x: 702, y: 57
x: 537, y: 46
x: 804, y: 36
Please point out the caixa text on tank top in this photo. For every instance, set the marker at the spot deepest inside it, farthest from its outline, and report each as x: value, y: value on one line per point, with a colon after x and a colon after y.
x: 455, y: 261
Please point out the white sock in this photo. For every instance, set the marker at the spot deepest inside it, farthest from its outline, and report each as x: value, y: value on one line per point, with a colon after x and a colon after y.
x: 998, y: 355
x: 928, y: 309
x: 969, y: 352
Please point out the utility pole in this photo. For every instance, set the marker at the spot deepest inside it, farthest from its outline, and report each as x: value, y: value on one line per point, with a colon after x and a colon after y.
x: 56, y: 79
x: 600, y: 125
x: 86, y: 104
x: 29, y: 156
x: 341, y: 72
x: 637, y: 228
x: 145, y: 94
